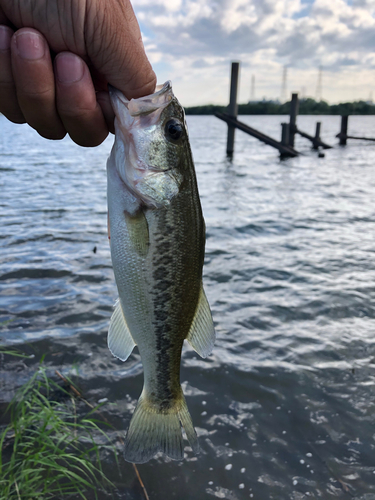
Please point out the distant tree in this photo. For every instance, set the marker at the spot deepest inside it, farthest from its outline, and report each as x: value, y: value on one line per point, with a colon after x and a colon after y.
x: 306, y: 107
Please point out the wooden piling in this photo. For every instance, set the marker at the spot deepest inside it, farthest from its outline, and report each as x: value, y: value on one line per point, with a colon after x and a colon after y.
x: 344, y: 130
x: 317, y: 135
x: 285, y: 134
x: 343, y: 134
x: 233, y: 106
x: 293, y: 119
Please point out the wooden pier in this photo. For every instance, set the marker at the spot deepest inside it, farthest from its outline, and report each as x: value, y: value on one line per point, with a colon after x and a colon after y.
x: 231, y: 119
x: 233, y: 123
x: 316, y: 141
x: 343, y: 134
x: 288, y: 130
x: 293, y: 129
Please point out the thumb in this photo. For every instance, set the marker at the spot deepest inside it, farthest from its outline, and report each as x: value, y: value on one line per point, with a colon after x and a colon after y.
x: 115, y: 48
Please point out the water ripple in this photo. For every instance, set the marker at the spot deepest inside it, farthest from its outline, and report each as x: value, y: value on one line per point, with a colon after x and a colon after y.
x: 284, y: 407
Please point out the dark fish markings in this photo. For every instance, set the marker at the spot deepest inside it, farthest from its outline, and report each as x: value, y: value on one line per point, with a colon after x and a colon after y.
x: 167, y: 344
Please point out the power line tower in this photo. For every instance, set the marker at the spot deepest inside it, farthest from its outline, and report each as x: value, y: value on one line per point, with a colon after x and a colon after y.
x: 318, y: 94
x: 283, y: 86
x: 252, y: 92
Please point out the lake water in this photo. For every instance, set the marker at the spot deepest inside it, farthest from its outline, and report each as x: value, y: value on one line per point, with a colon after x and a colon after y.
x: 285, y: 405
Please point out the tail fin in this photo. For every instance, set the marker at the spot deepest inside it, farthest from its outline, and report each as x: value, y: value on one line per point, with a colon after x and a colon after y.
x: 151, y: 431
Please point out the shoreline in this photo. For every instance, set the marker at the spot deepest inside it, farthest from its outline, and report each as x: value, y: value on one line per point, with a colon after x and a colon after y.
x: 306, y: 107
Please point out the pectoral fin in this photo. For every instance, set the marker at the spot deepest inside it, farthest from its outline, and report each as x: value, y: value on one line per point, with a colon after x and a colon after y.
x: 120, y: 340
x: 201, y: 336
x: 138, y: 232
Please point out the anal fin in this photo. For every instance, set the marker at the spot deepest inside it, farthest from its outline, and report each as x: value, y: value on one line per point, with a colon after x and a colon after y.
x: 202, y: 336
x: 120, y: 340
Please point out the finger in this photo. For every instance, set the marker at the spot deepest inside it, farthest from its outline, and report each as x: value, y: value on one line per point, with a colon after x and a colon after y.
x: 3, y: 17
x: 108, y: 113
x: 77, y: 106
x: 121, y: 58
x: 35, y: 83
x: 8, y: 97
x: 5, y: 20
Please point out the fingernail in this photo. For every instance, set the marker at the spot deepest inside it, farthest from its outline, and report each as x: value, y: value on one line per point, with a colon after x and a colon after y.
x: 5, y: 36
x: 69, y: 68
x: 29, y: 45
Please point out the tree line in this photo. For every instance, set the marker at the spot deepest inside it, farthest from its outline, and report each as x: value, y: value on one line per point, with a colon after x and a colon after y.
x: 306, y: 107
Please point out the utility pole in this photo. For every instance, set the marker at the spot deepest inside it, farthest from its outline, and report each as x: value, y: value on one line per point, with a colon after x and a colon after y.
x: 252, y: 93
x: 318, y: 94
x: 284, y: 84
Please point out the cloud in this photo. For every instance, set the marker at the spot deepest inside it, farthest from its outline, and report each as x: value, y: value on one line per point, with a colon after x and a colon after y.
x: 195, y: 39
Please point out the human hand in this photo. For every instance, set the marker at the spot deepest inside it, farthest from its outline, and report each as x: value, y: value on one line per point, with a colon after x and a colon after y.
x: 56, y: 58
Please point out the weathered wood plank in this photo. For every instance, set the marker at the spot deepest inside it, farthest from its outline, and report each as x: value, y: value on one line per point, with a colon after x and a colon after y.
x: 285, y: 150
x: 314, y: 140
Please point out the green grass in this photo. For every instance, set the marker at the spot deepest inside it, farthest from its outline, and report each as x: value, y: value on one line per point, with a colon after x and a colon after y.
x: 47, y: 450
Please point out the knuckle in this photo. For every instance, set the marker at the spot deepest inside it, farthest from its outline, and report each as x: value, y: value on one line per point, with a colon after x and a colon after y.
x: 75, y: 114
x: 35, y: 95
x: 75, y: 108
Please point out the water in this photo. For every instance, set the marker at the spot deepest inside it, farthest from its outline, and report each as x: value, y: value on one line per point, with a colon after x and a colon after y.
x: 285, y: 405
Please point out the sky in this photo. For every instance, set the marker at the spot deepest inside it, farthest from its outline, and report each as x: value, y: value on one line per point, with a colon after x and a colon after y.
x: 192, y: 43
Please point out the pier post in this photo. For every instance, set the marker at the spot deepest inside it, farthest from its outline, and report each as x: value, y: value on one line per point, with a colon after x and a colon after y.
x: 344, y: 130
x: 317, y: 135
x: 285, y: 134
x: 233, y: 106
x: 293, y: 119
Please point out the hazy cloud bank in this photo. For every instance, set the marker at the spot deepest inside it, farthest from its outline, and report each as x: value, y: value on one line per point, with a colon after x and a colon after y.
x: 192, y: 42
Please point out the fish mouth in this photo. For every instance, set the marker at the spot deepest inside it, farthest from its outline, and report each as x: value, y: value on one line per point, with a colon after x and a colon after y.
x: 142, y: 105
x: 159, y: 90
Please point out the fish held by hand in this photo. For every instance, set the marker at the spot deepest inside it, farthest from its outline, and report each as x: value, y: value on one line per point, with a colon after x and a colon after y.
x: 157, y: 248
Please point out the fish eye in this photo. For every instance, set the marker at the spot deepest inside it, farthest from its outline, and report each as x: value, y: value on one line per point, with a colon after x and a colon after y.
x: 173, y: 129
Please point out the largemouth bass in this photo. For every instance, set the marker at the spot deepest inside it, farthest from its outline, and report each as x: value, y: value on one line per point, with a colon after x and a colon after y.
x: 157, y: 239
